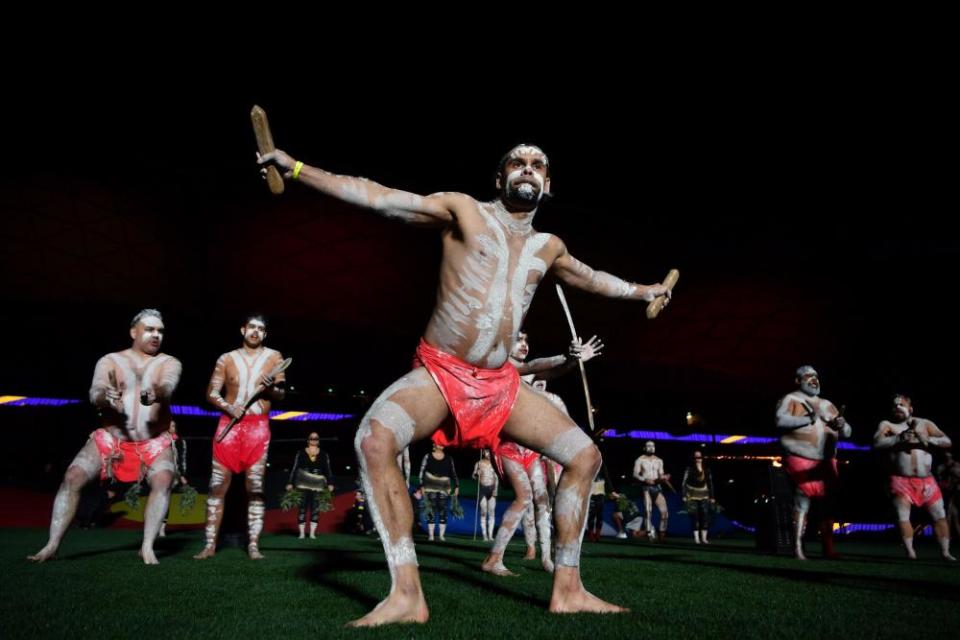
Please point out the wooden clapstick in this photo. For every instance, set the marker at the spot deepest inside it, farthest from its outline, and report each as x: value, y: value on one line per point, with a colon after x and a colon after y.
x: 656, y: 305
x: 261, y: 129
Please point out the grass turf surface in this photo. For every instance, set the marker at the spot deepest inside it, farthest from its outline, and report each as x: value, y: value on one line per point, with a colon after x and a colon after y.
x: 99, y: 588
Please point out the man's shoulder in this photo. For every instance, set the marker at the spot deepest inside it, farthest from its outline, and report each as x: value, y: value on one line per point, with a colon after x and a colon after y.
x: 456, y: 200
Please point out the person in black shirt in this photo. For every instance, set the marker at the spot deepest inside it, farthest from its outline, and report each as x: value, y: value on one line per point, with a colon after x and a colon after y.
x: 698, y: 496
x: 311, y: 471
x: 438, y: 479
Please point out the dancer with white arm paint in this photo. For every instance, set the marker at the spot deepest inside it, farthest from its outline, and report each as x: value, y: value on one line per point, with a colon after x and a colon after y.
x: 493, y: 260
x: 811, y: 428
x: 132, y: 391
x: 244, y: 449
x: 908, y: 440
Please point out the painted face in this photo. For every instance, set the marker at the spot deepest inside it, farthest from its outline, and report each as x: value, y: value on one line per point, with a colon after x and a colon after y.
x: 810, y: 383
x: 524, y: 178
x: 313, y: 439
x: 649, y: 448
x: 254, y: 333
x: 485, y: 454
x: 521, y: 349
x: 148, y: 335
x: 902, y: 408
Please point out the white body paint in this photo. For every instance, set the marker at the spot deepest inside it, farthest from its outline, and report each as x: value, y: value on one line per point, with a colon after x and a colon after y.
x: 135, y: 374
x: 648, y: 469
x: 816, y: 440
x: 914, y: 462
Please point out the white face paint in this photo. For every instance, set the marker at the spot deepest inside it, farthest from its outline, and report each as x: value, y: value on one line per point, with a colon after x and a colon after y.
x: 148, y: 335
x: 649, y: 448
x: 254, y: 333
x: 528, y: 149
x: 525, y: 180
x: 810, y: 384
x: 902, y: 408
x: 526, y: 188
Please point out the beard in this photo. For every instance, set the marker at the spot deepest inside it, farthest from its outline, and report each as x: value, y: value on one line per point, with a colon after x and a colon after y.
x: 524, y: 193
x: 809, y: 389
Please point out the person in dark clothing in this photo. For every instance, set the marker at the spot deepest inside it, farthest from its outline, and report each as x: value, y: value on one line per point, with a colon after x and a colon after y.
x: 698, y: 496
x: 438, y: 479
x: 311, y: 473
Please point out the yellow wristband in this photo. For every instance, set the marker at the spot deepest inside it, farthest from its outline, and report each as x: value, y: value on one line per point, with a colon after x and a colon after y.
x: 296, y: 170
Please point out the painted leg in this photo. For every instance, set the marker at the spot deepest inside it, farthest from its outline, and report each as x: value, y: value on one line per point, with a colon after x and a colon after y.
x: 220, y: 478
x: 84, y: 468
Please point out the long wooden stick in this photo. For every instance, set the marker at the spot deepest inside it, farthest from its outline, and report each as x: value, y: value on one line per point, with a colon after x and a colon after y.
x: 583, y: 371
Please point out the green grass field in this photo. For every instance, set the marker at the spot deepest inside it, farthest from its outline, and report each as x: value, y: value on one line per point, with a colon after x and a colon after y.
x: 99, y: 589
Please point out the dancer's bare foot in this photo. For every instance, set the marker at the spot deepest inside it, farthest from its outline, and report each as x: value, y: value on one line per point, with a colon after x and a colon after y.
x: 494, y: 564
x: 149, y: 557
x: 584, y: 602
x: 254, y: 552
x: 531, y: 554
x: 47, y: 553
x: 208, y: 552
x: 403, y: 605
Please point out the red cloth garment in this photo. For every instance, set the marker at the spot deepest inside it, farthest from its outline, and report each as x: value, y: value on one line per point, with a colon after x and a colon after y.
x: 921, y: 492
x: 480, y: 400
x: 245, y: 443
x: 815, y: 478
x: 518, y: 453
x: 128, y: 459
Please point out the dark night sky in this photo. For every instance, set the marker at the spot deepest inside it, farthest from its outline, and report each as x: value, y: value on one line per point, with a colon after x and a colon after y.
x: 808, y: 215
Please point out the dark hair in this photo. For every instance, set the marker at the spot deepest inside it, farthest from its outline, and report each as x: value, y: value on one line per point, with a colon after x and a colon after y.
x: 254, y: 316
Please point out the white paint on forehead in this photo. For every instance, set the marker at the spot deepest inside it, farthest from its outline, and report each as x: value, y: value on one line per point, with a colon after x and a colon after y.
x: 528, y: 150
